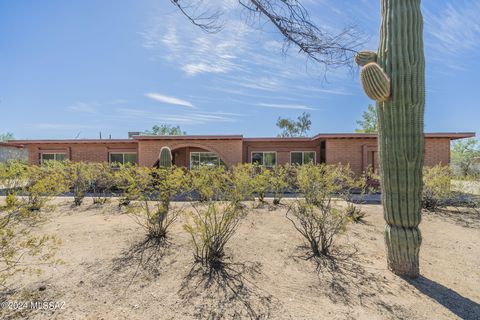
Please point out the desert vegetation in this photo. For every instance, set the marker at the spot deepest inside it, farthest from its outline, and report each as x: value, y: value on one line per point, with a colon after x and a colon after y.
x: 210, y: 206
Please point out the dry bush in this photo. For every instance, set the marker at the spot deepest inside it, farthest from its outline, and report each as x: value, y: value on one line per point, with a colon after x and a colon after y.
x: 354, y: 213
x: 318, y: 224
x: 211, y: 226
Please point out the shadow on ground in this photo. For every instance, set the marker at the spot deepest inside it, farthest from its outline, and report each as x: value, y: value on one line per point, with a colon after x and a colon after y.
x: 456, y: 303
x: 228, y: 291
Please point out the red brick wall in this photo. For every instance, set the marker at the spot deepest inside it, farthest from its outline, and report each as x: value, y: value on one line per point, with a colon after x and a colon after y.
x: 283, y: 149
x: 90, y: 152
x: 353, y: 151
x: 230, y: 151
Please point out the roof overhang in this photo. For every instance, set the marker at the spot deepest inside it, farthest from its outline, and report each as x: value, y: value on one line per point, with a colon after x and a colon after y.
x: 438, y: 135
x: 189, y: 137
x: 75, y: 141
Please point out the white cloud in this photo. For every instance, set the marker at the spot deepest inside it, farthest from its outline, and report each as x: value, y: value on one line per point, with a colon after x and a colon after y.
x: 169, y: 100
x: 456, y: 29
x: 285, y: 106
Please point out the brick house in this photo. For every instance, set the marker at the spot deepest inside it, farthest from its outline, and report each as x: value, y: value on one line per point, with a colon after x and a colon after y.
x: 357, y: 149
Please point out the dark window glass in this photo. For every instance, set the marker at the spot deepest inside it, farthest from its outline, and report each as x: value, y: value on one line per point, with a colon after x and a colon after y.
x: 296, y: 158
x: 257, y: 158
x: 269, y: 159
x: 130, y: 158
x: 308, y: 157
x: 116, y: 157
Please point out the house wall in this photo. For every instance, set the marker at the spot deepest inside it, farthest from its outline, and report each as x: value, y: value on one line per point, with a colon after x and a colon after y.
x: 354, y: 152
x: 230, y: 151
x: 283, y: 149
x: 89, y: 152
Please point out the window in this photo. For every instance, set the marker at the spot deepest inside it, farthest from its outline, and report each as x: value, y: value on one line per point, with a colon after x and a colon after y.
x: 302, y: 157
x: 268, y: 159
x: 122, y: 157
x: 209, y: 159
x: 53, y: 157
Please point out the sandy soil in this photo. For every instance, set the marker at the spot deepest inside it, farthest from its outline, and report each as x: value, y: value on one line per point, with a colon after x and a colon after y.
x: 109, y: 274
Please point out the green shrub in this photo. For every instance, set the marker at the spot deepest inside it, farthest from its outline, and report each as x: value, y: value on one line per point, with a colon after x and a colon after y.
x: 44, y: 182
x: 103, y: 182
x: 211, y: 226
x: 13, y: 175
x: 79, y: 179
x: 278, y: 183
x: 354, y: 213
x: 261, y: 182
x: 127, y: 179
x: 436, y: 187
x: 209, y: 183
x: 241, y: 183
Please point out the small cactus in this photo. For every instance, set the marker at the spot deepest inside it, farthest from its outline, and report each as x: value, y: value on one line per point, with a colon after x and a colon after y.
x: 165, y: 159
x: 364, y: 57
x: 375, y: 82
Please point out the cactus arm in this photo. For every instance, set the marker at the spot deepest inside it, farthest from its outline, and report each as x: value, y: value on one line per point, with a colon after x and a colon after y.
x: 400, y: 130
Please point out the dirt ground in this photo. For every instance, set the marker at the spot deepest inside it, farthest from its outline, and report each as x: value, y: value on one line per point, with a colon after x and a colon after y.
x: 110, y: 273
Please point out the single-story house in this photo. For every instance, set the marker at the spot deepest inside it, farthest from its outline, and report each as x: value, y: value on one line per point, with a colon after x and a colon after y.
x: 357, y: 149
x: 9, y: 151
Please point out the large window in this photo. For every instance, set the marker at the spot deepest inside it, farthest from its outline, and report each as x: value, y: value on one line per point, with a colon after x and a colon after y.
x: 208, y: 159
x: 302, y: 157
x: 268, y: 159
x: 53, y: 156
x: 117, y: 158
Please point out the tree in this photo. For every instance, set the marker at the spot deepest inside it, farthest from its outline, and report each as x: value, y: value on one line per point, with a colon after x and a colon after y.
x: 395, y: 78
x: 368, y: 123
x: 465, y: 154
x: 6, y: 136
x: 292, y: 128
x: 166, y: 130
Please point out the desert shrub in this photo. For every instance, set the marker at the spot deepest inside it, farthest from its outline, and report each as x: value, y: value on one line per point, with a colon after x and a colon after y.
x: 211, y: 226
x: 278, y: 183
x: 436, y: 187
x: 354, y: 213
x: 209, y: 183
x: 319, y: 224
x: 13, y: 175
x: 103, y: 182
x: 369, y: 181
x: 261, y: 182
x: 241, y: 183
x: 321, y: 183
x: 79, y: 179
x: 20, y: 249
x: 128, y: 180
x: 44, y: 182
x: 154, y: 189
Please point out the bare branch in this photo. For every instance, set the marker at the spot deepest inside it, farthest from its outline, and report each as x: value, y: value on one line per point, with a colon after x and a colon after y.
x: 292, y: 20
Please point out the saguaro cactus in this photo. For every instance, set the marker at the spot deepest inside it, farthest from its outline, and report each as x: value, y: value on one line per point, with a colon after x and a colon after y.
x: 400, y: 127
x: 165, y: 159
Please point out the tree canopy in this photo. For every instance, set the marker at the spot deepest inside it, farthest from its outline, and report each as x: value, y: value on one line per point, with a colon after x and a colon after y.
x: 165, y: 130
x: 368, y: 123
x: 6, y: 136
x: 295, y: 128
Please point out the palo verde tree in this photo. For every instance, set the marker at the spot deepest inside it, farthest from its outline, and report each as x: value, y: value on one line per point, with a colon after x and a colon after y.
x: 394, y: 76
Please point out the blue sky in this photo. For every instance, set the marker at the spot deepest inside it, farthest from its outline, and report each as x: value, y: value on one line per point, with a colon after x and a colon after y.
x: 73, y: 68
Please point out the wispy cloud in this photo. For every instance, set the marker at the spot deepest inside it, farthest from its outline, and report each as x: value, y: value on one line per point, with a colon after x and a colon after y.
x: 92, y: 107
x: 59, y: 126
x: 285, y: 106
x: 455, y: 29
x: 175, y: 118
x: 169, y: 100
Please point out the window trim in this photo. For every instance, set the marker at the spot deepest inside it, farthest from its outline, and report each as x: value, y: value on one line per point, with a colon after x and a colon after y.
x: 303, y: 156
x: 190, y: 157
x: 263, y: 157
x: 123, y: 153
x: 55, y: 155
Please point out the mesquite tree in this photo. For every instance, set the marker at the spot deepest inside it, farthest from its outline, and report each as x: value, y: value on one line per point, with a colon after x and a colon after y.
x: 395, y: 78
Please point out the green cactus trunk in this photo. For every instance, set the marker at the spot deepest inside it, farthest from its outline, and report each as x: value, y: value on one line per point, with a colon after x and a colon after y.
x: 401, y: 138
x: 395, y: 77
x: 165, y: 159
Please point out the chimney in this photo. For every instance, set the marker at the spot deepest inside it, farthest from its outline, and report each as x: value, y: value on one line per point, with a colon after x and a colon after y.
x: 134, y: 133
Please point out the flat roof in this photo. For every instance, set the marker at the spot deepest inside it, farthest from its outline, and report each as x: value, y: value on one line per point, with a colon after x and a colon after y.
x: 134, y: 139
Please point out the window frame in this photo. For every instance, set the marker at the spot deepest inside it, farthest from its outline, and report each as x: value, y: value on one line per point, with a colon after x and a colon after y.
x: 219, y: 160
x: 54, y: 156
x: 263, y: 158
x: 123, y: 153
x: 303, y: 156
